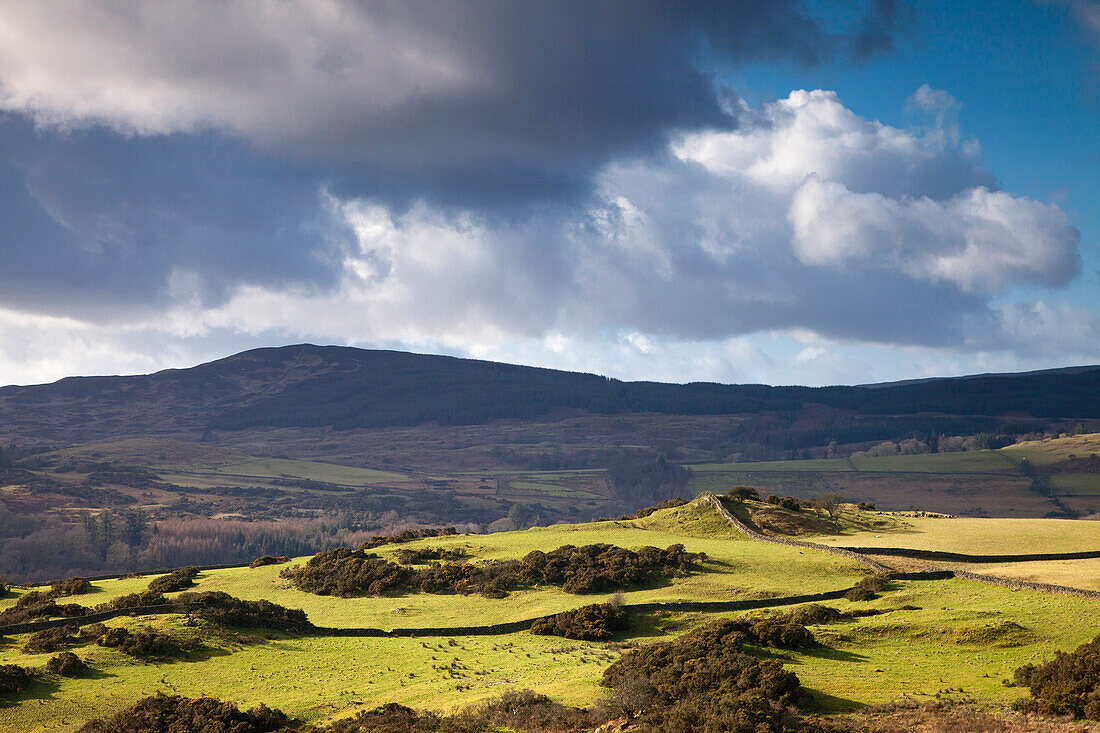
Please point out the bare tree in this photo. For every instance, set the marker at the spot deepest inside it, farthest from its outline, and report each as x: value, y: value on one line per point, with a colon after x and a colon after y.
x: 829, y: 503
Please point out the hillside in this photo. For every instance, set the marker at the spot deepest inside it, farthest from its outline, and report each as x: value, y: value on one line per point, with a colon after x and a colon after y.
x: 308, y: 386
x: 929, y: 637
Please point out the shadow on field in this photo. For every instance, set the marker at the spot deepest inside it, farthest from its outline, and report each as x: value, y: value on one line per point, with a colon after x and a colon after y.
x: 823, y: 702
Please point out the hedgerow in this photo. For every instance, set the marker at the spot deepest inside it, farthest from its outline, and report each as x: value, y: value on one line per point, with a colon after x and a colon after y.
x: 597, y: 622
x: 1069, y: 684
x: 588, y: 569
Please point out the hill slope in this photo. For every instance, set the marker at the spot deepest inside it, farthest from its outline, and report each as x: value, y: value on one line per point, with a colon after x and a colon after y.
x: 341, y: 387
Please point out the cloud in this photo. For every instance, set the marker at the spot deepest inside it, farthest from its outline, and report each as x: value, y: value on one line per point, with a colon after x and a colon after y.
x: 807, y: 217
x: 100, y: 223
x: 468, y: 103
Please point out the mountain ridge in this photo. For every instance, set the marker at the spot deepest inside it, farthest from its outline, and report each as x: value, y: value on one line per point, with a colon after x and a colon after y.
x: 308, y: 385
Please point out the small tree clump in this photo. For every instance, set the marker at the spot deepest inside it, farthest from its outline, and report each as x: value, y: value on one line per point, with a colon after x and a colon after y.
x: 174, y: 581
x: 66, y: 664
x: 772, y: 499
x: 791, y: 503
x: 741, y: 494
x: 866, y: 506
x: 596, y: 622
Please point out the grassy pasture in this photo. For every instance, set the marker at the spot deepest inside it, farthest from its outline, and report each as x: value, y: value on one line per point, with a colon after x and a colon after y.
x: 963, y: 635
x: 737, y: 568
x: 980, y: 461
x: 976, y: 535
x: 960, y: 638
x: 1054, y: 450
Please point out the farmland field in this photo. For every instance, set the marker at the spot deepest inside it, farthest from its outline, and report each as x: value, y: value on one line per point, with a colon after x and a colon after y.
x: 935, y: 634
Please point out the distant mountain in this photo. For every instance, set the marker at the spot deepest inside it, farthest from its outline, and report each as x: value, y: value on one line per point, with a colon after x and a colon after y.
x: 342, y: 387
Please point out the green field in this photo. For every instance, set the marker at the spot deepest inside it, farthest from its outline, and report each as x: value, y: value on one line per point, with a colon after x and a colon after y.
x: 977, y: 536
x: 960, y: 635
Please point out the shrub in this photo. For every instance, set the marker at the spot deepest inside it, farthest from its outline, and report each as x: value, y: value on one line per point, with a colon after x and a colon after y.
x: 173, y: 713
x: 868, y: 588
x: 772, y: 499
x: 407, y: 536
x: 174, y: 581
x: 597, y: 622
x: 70, y: 587
x: 66, y: 664
x: 225, y: 610
x: 743, y: 493
x: 789, y: 502
x: 775, y: 631
x: 134, y: 600
x: 35, y: 605
x: 1069, y: 684
x: 529, y: 711
x: 428, y: 554
x: 259, y: 562
x: 14, y: 678
x: 49, y: 640
x: 704, y: 681
x: 148, y: 643
x: 666, y: 504
x: 587, y: 569
x: 866, y: 506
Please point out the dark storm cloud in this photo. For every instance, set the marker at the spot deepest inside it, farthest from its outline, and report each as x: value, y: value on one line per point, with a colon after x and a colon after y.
x: 96, y: 220
x: 472, y: 103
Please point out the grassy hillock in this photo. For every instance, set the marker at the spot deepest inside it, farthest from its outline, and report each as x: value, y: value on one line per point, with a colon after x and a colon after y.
x: 933, y: 639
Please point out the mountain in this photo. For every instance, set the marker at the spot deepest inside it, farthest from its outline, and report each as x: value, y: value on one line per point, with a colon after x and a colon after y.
x: 341, y: 387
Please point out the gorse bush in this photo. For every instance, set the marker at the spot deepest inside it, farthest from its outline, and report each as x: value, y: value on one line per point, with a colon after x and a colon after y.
x: 148, y: 643
x: 408, y: 535
x: 14, y: 678
x: 35, y: 605
x: 259, y: 562
x: 66, y: 664
x: 429, y: 554
x: 174, y: 581
x: 175, y: 714
x: 70, y: 587
x: 587, y: 569
x: 225, y: 610
x: 1069, y: 684
x: 49, y: 640
x: 520, y: 711
x: 868, y: 588
x: 134, y: 600
x: 597, y: 622
x: 704, y: 681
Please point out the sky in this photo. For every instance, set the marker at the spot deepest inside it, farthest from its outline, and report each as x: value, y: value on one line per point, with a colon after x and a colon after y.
x: 763, y: 191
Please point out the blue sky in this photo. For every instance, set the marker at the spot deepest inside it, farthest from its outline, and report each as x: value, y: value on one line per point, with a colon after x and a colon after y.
x: 778, y: 192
